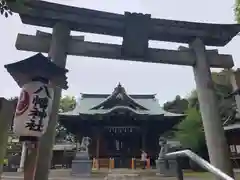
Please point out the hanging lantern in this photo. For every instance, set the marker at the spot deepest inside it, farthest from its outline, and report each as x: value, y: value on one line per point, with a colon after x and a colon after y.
x: 33, y: 108
x: 33, y: 75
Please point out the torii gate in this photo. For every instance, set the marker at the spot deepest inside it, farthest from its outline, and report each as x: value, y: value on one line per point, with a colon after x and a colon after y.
x: 136, y: 30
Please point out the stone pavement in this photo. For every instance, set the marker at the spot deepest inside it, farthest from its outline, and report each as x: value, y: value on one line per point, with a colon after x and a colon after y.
x: 103, y: 174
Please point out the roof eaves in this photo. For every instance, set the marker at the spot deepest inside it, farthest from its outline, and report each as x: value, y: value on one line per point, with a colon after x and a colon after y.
x: 134, y: 96
x: 115, y: 92
x: 166, y: 113
x: 115, y: 108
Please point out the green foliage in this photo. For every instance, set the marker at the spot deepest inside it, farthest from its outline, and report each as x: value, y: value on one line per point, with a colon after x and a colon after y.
x: 193, y: 100
x: 190, y: 131
x: 222, y: 87
x: 13, y: 144
x: 4, y: 9
x: 178, y: 105
x: 237, y: 10
x: 67, y: 103
x: 4, y: 6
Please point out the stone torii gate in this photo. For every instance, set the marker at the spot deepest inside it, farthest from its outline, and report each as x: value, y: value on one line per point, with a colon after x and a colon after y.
x: 136, y: 30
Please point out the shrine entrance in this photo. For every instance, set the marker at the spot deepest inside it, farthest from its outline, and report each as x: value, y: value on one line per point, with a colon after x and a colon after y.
x: 137, y: 30
x: 120, y: 125
x: 123, y: 143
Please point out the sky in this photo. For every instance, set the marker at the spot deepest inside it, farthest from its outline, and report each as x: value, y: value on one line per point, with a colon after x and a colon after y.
x: 95, y: 75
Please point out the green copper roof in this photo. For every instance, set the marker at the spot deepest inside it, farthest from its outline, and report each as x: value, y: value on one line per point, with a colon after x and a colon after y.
x: 118, y: 101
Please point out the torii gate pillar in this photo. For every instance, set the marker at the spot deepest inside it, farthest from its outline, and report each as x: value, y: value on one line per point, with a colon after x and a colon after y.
x: 214, y: 133
x: 58, y: 54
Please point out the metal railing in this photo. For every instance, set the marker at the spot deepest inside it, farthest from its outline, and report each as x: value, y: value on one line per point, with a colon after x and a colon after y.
x: 200, y: 161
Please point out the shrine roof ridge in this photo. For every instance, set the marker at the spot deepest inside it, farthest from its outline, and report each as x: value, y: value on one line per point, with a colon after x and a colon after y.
x: 93, y: 106
x: 46, y: 14
x: 134, y: 96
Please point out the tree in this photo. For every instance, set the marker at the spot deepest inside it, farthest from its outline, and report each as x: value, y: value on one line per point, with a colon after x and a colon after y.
x: 237, y: 10
x: 4, y: 6
x: 223, y: 88
x: 178, y: 105
x: 4, y: 9
x: 190, y: 131
x: 67, y: 103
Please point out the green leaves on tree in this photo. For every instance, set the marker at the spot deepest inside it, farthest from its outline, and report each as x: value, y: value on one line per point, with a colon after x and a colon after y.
x: 237, y: 10
x: 4, y: 9
x: 190, y: 131
x: 67, y: 103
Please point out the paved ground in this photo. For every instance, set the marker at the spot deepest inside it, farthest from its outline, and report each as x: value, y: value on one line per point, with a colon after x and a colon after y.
x: 105, y: 174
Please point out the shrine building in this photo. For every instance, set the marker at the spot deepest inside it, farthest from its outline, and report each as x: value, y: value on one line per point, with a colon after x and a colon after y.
x: 232, y: 132
x: 120, y: 125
